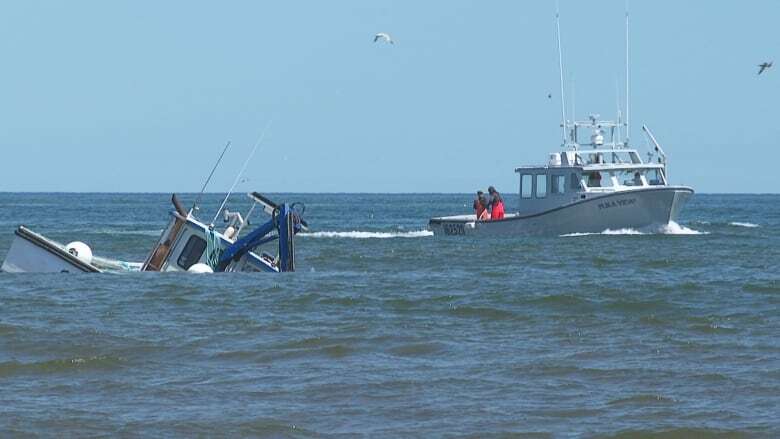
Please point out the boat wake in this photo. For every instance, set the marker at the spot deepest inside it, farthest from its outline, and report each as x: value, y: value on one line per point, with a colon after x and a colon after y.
x: 356, y: 234
x: 672, y: 228
x: 741, y: 224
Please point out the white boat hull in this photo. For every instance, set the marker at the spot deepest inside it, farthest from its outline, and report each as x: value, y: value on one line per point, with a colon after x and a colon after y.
x: 33, y: 253
x: 635, y: 209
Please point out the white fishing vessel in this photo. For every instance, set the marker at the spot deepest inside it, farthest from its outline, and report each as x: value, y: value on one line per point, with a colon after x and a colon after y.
x: 588, y: 186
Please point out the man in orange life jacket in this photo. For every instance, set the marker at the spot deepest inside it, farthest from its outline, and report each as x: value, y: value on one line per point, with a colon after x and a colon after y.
x: 480, y: 206
x: 496, y: 204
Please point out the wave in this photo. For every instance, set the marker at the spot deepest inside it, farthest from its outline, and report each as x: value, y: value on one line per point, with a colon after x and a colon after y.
x: 125, y: 232
x: 356, y: 234
x: 743, y: 224
x: 13, y: 367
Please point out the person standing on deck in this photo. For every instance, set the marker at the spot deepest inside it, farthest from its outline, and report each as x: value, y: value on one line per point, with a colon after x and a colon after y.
x: 481, y: 206
x: 496, y: 204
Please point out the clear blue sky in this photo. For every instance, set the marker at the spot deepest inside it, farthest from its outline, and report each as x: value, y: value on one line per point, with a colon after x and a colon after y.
x: 141, y: 95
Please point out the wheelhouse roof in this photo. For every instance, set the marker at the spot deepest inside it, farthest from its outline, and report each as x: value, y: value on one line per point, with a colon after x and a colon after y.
x: 594, y: 167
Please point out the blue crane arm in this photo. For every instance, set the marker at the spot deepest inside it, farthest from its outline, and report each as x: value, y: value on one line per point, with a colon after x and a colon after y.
x: 286, y: 226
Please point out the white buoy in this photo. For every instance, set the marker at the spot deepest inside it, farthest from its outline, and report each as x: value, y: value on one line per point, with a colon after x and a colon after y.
x: 80, y: 250
x: 200, y: 268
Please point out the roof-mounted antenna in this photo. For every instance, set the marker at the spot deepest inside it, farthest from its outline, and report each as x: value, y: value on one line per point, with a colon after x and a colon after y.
x: 573, y: 99
x: 619, y: 112
x: 560, y: 67
x: 628, y: 128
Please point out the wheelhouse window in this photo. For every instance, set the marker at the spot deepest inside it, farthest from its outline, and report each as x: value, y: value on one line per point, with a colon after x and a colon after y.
x: 655, y: 177
x: 526, y: 182
x: 594, y: 179
x: 631, y: 178
x: 192, y: 252
x: 558, y: 184
x: 574, y: 181
x: 541, y: 185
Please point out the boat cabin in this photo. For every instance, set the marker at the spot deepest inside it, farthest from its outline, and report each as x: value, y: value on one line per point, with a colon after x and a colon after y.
x: 577, y: 174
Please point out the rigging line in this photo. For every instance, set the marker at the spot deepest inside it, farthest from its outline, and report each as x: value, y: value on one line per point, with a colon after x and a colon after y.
x: 243, y: 168
x: 203, y: 189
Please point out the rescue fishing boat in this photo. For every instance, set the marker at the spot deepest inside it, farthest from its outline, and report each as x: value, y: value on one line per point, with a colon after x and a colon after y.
x: 607, y: 187
x: 586, y: 187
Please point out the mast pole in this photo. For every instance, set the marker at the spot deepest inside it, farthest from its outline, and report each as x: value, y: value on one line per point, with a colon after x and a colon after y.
x: 560, y: 68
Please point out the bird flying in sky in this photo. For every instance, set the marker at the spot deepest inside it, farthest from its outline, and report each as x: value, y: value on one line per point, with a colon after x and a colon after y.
x: 764, y: 66
x: 384, y: 37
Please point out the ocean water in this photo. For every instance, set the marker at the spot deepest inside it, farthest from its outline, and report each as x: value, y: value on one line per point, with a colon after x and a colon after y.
x: 386, y: 331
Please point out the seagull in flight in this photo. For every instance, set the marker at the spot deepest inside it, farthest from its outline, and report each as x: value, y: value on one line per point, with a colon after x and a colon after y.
x: 764, y: 66
x: 384, y: 37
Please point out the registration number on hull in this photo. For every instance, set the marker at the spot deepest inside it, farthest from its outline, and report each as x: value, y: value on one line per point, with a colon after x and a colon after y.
x: 453, y: 228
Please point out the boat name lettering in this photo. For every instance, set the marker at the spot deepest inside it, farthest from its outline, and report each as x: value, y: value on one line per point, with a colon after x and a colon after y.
x: 453, y: 229
x: 617, y: 203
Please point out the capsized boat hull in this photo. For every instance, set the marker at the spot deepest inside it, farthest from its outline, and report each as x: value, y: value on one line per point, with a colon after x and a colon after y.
x: 635, y: 209
x: 34, y: 253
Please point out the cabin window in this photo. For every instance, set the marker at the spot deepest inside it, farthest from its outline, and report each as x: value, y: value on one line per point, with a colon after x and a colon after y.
x: 526, y: 181
x: 541, y: 185
x: 655, y: 178
x: 558, y: 184
x: 631, y: 178
x: 594, y: 179
x: 574, y: 182
x: 192, y: 252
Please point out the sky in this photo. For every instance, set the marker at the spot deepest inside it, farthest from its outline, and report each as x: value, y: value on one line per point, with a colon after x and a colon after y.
x: 141, y: 96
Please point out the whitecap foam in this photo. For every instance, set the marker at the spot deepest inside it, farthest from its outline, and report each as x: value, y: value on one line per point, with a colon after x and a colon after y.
x: 622, y: 232
x: 668, y: 229
x: 606, y: 232
x: 676, y: 229
x: 743, y: 224
x: 357, y: 234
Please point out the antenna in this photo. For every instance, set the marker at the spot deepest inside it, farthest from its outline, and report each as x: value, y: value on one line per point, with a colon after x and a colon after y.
x: 628, y: 132
x: 619, y: 113
x: 560, y: 67
x: 243, y: 168
x: 573, y: 99
x: 203, y: 189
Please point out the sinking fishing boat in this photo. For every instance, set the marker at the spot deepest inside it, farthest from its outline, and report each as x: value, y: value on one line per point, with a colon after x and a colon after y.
x: 586, y: 187
x: 186, y: 244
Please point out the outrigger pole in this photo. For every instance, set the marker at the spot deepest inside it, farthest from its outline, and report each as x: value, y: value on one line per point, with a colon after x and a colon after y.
x: 197, y: 199
x: 560, y: 68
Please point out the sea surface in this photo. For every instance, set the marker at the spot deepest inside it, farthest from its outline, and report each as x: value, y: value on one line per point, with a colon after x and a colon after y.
x: 387, y: 331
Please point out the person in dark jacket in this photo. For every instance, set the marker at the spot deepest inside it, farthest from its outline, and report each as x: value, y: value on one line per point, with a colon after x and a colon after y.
x: 481, y: 206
